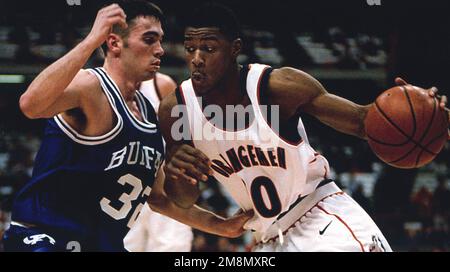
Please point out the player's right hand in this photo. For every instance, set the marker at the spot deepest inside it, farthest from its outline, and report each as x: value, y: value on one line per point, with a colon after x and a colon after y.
x: 433, y: 92
x: 106, y: 18
x: 233, y: 226
x: 189, y: 164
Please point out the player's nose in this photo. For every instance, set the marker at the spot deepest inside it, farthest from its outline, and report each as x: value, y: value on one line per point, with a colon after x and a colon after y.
x: 197, y: 60
x: 159, y: 50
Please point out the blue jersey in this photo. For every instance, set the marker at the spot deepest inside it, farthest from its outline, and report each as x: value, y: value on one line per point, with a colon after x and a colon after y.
x: 94, y: 187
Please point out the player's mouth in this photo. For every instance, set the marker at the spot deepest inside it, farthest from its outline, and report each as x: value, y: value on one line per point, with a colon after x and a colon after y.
x: 197, y: 76
x: 156, y: 65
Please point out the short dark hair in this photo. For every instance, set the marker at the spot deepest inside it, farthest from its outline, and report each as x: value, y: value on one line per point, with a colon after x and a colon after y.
x: 134, y: 9
x: 215, y: 15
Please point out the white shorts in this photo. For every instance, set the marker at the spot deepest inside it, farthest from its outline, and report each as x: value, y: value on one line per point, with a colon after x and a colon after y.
x: 154, y: 232
x: 326, y: 220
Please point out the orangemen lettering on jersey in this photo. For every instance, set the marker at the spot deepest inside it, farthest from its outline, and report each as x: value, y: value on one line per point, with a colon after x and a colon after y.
x: 249, y: 156
x: 135, y: 154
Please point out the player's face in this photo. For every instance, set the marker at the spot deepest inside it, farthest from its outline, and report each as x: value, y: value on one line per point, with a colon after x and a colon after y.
x: 142, y: 51
x: 208, y: 55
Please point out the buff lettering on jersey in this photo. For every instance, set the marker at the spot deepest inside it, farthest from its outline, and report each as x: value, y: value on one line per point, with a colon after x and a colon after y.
x: 135, y: 153
x: 248, y: 156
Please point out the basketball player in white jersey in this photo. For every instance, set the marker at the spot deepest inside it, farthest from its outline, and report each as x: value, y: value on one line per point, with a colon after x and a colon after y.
x: 273, y: 171
x: 154, y: 232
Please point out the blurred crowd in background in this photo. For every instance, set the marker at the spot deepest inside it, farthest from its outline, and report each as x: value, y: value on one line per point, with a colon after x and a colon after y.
x: 356, y: 58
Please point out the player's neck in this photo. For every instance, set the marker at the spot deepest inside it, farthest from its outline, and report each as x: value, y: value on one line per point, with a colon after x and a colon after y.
x: 127, y: 85
x: 228, y: 90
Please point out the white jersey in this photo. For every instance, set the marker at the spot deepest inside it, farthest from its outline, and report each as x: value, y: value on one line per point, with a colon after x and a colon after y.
x: 154, y: 232
x: 259, y: 169
x: 150, y: 91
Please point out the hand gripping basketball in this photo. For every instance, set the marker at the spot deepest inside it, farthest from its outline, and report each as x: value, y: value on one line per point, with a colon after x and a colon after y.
x: 433, y: 93
x: 407, y: 126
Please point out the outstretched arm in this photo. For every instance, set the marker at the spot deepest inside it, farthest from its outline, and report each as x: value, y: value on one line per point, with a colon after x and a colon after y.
x: 295, y: 90
x: 196, y: 216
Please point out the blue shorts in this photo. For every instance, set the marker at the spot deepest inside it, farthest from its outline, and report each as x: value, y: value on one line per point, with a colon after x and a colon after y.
x: 19, y: 238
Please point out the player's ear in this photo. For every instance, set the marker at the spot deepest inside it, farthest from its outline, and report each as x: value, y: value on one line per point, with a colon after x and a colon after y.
x: 236, y: 47
x: 114, y: 43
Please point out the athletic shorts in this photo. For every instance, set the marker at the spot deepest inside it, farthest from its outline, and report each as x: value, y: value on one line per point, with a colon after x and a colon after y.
x: 19, y: 238
x: 326, y: 220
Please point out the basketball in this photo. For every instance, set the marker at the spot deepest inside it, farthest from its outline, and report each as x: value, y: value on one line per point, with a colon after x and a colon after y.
x: 405, y: 127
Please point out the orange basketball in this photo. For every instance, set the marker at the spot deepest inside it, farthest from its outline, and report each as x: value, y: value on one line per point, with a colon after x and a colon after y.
x: 405, y: 127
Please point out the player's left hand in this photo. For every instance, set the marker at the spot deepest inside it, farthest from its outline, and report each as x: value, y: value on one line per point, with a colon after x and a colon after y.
x: 433, y: 92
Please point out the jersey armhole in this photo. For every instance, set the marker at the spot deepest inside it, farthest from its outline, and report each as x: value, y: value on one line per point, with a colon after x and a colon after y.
x: 263, y: 85
x: 157, y: 91
x: 262, y: 100
x: 178, y: 95
x: 180, y: 101
x: 79, y: 138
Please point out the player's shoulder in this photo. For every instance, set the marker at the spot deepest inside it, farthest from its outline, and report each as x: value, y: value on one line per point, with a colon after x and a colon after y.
x: 171, y: 110
x: 86, y: 77
x: 85, y: 81
x: 289, y: 74
x: 167, y: 104
x: 291, y: 79
x: 166, y: 84
x: 163, y: 78
x: 88, y: 84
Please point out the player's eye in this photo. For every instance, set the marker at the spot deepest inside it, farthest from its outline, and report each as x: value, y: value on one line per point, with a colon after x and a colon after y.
x: 189, y: 49
x: 149, y: 40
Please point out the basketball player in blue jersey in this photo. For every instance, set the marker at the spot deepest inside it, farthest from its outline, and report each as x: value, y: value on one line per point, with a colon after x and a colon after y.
x: 272, y: 171
x: 101, y: 153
